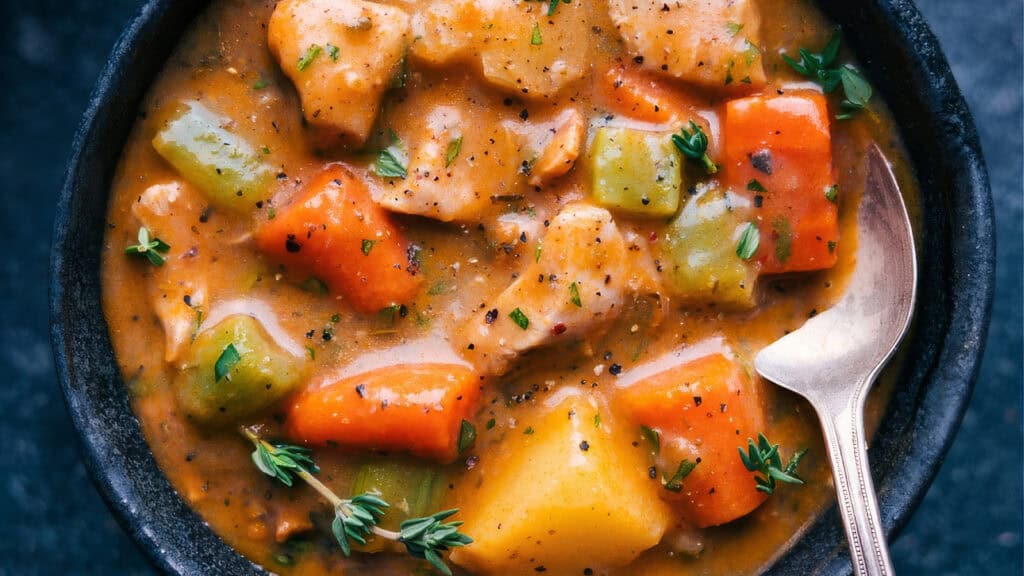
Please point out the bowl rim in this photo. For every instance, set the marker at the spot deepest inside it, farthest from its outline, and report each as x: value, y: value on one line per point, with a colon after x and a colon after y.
x: 957, y: 362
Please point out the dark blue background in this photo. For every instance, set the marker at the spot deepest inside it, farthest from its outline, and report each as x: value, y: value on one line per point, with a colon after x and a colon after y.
x: 53, y: 522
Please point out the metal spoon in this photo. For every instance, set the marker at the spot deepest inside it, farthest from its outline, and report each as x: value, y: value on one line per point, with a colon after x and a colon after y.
x: 836, y: 356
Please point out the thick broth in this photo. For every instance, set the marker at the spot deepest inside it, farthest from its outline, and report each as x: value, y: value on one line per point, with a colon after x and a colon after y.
x: 221, y: 59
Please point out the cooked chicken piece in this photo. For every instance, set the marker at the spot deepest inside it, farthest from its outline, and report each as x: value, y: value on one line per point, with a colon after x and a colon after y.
x: 575, y: 287
x: 177, y: 288
x: 453, y: 172
x: 341, y: 55
x: 561, y: 150
x: 708, y: 42
x: 517, y: 45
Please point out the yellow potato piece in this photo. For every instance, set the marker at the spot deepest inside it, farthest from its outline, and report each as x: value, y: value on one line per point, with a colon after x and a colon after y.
x: 708, y: 42
x: 568, y: 496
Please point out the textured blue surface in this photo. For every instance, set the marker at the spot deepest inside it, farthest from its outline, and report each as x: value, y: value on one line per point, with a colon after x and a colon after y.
x: 53, y: 522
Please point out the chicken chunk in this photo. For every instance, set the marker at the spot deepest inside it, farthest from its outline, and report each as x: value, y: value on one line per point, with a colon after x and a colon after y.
x: 707, y: 42
x: 341, y: 55
x: 575, y: 287
x: 516, y: 44
x: 177, y: 288
x: 453, y: 172
x: 561, y: 149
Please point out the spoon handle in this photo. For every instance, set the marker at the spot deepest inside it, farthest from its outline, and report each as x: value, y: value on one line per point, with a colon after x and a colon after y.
x: 855, y: 492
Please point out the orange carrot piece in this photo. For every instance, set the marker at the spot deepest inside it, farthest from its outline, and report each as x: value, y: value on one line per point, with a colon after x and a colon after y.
x: 640, y: 95
x: 415, y: 408
x: 337, y: 233
x: 703, y: 409
x: 783, y: 143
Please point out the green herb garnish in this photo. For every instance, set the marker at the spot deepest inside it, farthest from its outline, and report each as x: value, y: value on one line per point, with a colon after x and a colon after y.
x: 574, y: 295
x: 553, y: 5
x: 653, y: 437
x: 694, y: 145
x: 519, y: 318
x: 750, y: 239
x: 389, y: 163
x: 454, y: 147
x: 228, y: 359
x: 312, y: 53
x: 675, y: 483
x: 333, y: 52
x: 832, y: 192
x: 783, y: 239
x: 367, y: 245
x: 818, y: 67
x: 152, y: 249
x: 764, y: 459
x: 467, y: 435
x: 356, y: 519
x: 535, y: 38
x: 490, y: 423
x: 755, y: 186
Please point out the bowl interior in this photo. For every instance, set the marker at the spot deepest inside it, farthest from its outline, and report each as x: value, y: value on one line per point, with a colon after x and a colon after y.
x: 907, y: 68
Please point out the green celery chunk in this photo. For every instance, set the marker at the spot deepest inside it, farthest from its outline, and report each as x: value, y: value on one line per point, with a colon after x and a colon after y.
x: 636, y: 172
x: 255, y: 373
x: 226, y: 168
x: 412, y: 489
x: 698, y: 254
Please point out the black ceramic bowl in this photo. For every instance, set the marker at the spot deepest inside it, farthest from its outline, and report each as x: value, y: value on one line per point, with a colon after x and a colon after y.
x: 905, y: 65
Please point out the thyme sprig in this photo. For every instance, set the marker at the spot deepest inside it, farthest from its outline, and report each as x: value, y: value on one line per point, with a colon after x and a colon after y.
x: 694, y: 145
x: 764, y: 459
x: 152, y: 249
x: 818, y: 67
x: 356, y: 518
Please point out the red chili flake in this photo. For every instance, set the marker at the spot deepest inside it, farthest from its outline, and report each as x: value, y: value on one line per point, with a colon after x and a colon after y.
x: 558, y: 329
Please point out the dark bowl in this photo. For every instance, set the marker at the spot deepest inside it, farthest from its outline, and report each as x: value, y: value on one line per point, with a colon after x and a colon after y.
x: 906, y: 66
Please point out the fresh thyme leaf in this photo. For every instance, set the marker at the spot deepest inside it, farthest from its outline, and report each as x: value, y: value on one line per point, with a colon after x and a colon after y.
x: 818, y: 67
x: 553, y: 5
x: 454, y: 147
x: 535, y: 38
x: 855, y: 87
x: 574, y: 295
x: 750, y: 239
x: 491, y: 423
x: 519, y: 318
x: 832, y: 192
x: 783, y: 239
x: 653, y: 437
x: 259, y: 84
x: 537, y: 251
x: 467, y: 435
x: 282, y: 461
x: 367, y: 246
x: 426, y: 537
x: 755, y: 186
x: 312, y: 352
x: 333, y: 51
x: 734, y: 28
x: 311, y: 54
x: 390, y: 163
x: 528, y: 431
x: 764, y: 459
x: 228, y: 359
x: 597, y: 420
x: 693, y: 144
x: 675, y: 483
x: 153, y: 249
x: 831, y: 246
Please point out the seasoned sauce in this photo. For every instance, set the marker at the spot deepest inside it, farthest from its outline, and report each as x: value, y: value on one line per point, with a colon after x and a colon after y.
x: 482, y: 228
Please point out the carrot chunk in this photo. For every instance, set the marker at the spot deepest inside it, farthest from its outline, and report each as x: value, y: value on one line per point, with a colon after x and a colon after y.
x: 703, y: 410
x: 337, y: 233
x: 641, y: 95
x: 415, y: 408
x: 778, y: 148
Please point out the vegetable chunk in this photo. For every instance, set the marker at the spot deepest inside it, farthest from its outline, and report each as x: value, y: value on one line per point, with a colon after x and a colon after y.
x: 636, y: 172
x: 586, y: 273
x: 779, y: 148
x: 707, y: 42
x: 336, y: 233
x: 412, y: 489
x: 570, y: 496
x: 234, y: 370
x: 698, y: 251
x: 342, y: 55
x: 414, y: 408
x: 703, y: 410
x: 518, y: 47
x: 225, y: 167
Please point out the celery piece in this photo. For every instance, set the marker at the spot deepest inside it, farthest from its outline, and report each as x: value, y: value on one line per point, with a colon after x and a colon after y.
x: 226, y: 168
x: 636, y: 172
x: 259, y: 376
x: 412, y: 489
x: 698, y: 254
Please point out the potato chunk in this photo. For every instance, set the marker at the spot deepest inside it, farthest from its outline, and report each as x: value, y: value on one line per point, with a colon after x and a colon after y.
x: 708, y: 42
x: 575, y: 287
x: 567, y: 497
x: 341, y: 55
x: 517, y: 46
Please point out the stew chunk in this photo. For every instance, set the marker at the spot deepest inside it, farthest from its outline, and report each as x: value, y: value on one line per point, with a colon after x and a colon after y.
x: 708, y: 42
x: 341, y: 55
x: 566, y: 497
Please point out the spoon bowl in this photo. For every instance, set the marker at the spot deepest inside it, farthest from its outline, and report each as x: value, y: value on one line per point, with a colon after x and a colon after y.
x: 836, y: 356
